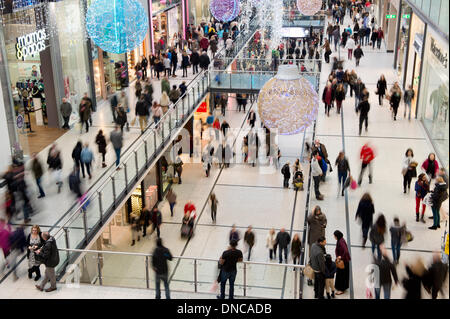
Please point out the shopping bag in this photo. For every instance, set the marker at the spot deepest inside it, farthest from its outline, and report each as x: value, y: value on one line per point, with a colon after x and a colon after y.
x: 309, y: 272
x: 353, y: 184
x: 427, y: 200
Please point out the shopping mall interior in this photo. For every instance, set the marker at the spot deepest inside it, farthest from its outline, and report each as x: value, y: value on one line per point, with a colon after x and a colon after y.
x: 226, y: 131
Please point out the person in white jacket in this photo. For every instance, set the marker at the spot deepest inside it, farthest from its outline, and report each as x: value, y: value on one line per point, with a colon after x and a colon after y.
x: 316, y: 173
x: 350, y: 47
x: 271, y: 244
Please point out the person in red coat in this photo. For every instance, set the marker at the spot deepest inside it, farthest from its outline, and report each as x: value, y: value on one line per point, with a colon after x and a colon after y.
x: 431, y: 166
x: 204, y: 44
x: 328, y: 97
x: 342, y: 280
x: 367, y: 155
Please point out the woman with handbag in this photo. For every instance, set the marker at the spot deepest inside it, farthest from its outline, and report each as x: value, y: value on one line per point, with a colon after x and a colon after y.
x: 342, y: 281
x: 409, y: 169
x: 397, y: 232
x: 422, y: 187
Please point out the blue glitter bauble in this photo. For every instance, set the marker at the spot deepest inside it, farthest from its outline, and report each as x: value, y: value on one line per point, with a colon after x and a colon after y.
x: 116, y: 26
x: 224, y: 10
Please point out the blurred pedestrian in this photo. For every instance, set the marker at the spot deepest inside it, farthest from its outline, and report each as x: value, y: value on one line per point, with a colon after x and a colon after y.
x: 271, y: 244
x: 413, y: 282
x: 330, y: 271
x: 55, y: 165
x: 86, y: 160
x: 249, y: 239
x: 387, y: 271
x: 159, y: 263
x: 100, y: 140
x: 376, y: 235
x: 172, y: 199
x: 116, y: 138
x: 435, y: 276
x: 38, y: 171
x: 282, y: 240
x: 296, y: 249
x: 214, y: 203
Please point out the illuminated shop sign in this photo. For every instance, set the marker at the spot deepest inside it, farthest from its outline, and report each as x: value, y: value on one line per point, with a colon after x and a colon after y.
x: 30, y: 44
x: 439, y: 53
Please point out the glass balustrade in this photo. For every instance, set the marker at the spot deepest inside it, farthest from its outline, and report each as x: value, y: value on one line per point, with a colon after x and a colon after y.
x: 195, y: 275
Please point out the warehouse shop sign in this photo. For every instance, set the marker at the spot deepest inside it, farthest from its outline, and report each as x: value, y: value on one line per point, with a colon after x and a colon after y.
x: 30, y: 44
x: 441, y: 56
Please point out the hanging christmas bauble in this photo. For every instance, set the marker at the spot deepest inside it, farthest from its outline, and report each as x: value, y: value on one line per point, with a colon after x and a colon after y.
x: 288, y: 102
x: 117, y: 26
x: 224, y: 10
x: 309, y: 7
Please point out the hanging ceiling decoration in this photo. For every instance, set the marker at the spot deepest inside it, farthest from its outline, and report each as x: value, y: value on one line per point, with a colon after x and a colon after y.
x: 224, y: 10
x: 288, y: 102
x: 116, y: 26
x: 309, y: 7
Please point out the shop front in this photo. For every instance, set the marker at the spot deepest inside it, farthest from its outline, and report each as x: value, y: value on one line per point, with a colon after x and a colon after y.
x: 412, y: 58
x: 46, y: 60
x: 434, y: 94
x: 168, y: 23
x: 389, y: 20
x: 403, y: 41
x: 199, y: 11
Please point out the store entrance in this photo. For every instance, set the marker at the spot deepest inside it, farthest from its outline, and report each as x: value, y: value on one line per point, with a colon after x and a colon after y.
x: 29, y: 63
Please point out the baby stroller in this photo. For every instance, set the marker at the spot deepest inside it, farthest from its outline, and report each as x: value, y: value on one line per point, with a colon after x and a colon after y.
x: 187, y: 225
x: 297, y: 181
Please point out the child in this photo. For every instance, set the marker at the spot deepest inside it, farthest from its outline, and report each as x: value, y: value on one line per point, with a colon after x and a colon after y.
x: 330, y: 266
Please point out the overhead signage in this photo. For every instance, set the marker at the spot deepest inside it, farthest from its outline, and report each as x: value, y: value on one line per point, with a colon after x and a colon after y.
x: 30, y: 44
x: 406, y: 16
x: 391, y: 16
x: 440, y: 55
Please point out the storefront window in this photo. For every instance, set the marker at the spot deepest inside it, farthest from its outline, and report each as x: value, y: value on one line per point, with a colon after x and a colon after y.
x: 434, y: 96
x: 412, y: 77
x: 403, y: 39
x: 73, y: 49
x: 199, y: 11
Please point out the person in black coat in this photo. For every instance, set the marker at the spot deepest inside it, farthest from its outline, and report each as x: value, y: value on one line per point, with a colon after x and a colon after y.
x: 76, y: 154
x: 101, y: 143
x: 435, y: 276
x: 285, y: 170
x: 413, y: 282
x: 381, y: 89
x: 365, y: 212
x: 204, y: 61
x: 387, y: 271
x: 363, y: 110
x: 145, y: 220
x: 185, y: 63
x: 282, y: 241
x: 174, y: 62
x: 49, y: 256
x: 195, y: 60
x: 343, y: 168
x: 438, y: 196
x: 358, y: 54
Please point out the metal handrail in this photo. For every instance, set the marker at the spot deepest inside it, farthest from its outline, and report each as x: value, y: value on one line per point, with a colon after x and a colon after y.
x: 109, y: 252
x: 130, y: 150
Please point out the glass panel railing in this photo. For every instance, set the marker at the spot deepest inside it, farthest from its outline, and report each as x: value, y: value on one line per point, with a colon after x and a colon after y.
x: 100, y: 200
x: 183, y: 279
x: 187, y: 274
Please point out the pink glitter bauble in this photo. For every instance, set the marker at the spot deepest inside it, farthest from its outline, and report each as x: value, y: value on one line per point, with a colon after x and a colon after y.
x: 309, y: 7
